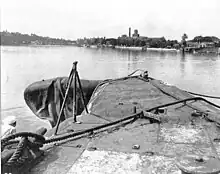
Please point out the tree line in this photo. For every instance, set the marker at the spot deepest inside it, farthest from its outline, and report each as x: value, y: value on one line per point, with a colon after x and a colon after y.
x: 129, y: 41
x: 16, y: 38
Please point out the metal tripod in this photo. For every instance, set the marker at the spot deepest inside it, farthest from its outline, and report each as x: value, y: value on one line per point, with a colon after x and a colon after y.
x: 73, y: 73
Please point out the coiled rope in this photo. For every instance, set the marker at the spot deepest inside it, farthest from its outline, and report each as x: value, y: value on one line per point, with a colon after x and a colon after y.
x: 7, y: 139
x: 17, y: 154
x: 9, y: 143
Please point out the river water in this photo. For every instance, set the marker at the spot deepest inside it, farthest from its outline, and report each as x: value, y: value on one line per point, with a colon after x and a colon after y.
x: 21, y: 66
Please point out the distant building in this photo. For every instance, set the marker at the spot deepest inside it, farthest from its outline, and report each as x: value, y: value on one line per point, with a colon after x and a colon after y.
x: 207, y: 44
x: 192, y: 44
x: 135, y: 35
x: 36, y: 42
x: 200, y: 44
x: 176, y: 46
x: 124, y: 35
x: 129, y: 34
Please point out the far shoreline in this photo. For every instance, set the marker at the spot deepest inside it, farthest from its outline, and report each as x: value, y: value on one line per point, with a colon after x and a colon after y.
x: 30, y: 45
x: 139, y: 49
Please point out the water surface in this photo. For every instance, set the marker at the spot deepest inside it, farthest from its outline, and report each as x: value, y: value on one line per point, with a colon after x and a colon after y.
x: 21, y: 66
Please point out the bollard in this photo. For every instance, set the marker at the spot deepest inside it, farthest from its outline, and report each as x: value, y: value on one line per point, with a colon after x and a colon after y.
x: 40, y: 131
x: 195, y: 113
x: 135, y: 110
x: 33, y: 154
x: 161, y: 111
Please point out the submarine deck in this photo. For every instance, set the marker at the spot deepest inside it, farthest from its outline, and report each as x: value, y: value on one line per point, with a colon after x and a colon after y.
x: 137, y: 145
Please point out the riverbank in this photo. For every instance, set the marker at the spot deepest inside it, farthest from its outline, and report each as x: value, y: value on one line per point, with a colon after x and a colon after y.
x: 212, y: 50
x: 19, y: 39
x: 135, y: 48
x: 208, y: 51
x: 32, y: 45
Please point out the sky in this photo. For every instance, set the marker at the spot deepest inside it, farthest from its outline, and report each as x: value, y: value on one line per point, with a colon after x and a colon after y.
x: 72, y: 19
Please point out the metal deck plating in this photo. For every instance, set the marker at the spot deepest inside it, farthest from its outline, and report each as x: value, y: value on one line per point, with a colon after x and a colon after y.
x: 137, y: 145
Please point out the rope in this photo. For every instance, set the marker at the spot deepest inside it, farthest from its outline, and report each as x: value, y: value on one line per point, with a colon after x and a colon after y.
x: 189, y: 99
x: 59, y: 138
x: 99, y: 116
x: 63, y: 137
x: 202, y: 95
x: 9, y: 143
x: 182, y: 101
x: 179, y: 99
x: 74, y: 134
x: 136, y: 71
x: 23, y: 143
x: 17, y: 154
x: 38, y: 137
x: 124, y: 78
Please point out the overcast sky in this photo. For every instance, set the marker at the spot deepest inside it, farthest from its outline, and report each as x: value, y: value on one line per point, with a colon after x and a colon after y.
x: 92, y: 18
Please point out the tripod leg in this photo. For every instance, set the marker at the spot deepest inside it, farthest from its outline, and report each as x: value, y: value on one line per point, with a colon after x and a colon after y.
x: 63, y: 104
x: 81, y: 91
x: 75, y: 98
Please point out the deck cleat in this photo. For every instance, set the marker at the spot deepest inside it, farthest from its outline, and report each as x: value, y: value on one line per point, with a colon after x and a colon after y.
x: 192, y: 164
x: 92, y: 148
x: 216, y: 139
x: 136, y: 146
x: 161, y: 111
x: 196, y: 113
x: 26, y: 154
x: 70, y: 130
x: 144, y: 75
x: 135, y: 110
x: 148, y: 153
